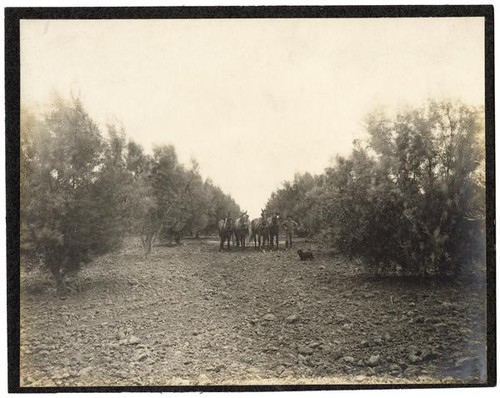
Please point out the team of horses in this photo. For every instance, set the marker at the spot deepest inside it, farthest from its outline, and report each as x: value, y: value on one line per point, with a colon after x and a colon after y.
x: 263, y: 230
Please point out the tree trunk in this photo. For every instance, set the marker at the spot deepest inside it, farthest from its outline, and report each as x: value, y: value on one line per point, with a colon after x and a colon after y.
x: 55, y: 270
x: 147, y: 243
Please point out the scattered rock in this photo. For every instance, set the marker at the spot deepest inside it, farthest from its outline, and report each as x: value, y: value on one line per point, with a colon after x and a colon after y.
x: 370, y: 372
x: 140, y: 356
x: 86, y: 371
x: 134, y: 340
x: 414, y: 358
x: 203, y: 379
x: 292, y: 318
x: 305, y: 350
x: 349, y: 359
x: 177, y: 381
x: 288, y: 373
x: 269, y: 317
x: 219, y: 368
x: 234, y: 365
x: 172, y: 311
x: 374, y: 360
x: 395, y: 368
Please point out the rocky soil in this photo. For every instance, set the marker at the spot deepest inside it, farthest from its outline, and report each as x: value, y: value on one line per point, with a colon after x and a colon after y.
x: 190, y: 315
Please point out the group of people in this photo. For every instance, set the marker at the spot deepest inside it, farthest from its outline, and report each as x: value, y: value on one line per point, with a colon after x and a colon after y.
x: 264, y: 227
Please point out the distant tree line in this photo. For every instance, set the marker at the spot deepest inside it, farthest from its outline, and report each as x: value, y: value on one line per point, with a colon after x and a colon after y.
x: 82, y: 191
x: 410, y: 198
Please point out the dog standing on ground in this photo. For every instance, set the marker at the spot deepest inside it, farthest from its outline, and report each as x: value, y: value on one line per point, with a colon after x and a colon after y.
x: 305, y: 255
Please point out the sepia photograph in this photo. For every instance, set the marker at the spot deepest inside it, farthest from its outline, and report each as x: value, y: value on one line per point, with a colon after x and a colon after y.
x: 231, y: 197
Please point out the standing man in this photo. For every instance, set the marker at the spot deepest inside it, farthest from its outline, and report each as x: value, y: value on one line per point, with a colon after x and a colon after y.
x: 289, y: 225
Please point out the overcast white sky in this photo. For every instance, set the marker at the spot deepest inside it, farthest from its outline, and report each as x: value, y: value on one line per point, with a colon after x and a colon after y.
x: 253, y: 101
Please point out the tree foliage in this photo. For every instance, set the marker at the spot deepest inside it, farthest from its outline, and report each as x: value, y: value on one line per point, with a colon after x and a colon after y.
x: 61, y: 162
x: 82, y: 191
x: 411, y: 197
x: 296, y: 199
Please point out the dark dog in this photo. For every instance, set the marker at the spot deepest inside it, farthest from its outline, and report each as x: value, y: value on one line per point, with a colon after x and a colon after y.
x: 305, y: 255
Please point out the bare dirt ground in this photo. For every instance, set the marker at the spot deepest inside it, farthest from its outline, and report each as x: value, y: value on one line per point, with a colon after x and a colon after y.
x: 190, y: 315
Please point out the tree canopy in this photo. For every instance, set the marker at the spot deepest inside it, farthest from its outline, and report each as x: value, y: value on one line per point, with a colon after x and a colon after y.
x: 83, y: 191
x: 410, y: 197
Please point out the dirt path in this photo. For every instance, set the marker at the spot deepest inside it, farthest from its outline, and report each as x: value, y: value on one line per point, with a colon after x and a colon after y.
x: 192, y: 315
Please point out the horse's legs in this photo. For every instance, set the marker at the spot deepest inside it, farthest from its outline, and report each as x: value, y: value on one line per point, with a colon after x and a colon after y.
x: 221, y: 243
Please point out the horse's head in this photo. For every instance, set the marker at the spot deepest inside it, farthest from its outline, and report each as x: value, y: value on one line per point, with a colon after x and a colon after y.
x: 226, y: 224
x: 275, y: 219
x: 245, y: 220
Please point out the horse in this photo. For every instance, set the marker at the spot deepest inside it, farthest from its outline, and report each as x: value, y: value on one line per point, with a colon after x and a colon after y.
x: 241, y: 230
x: 259, y: 229
x: 225, y: 231
x: 274, y: 228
